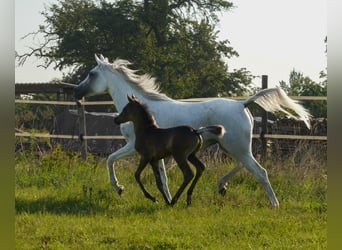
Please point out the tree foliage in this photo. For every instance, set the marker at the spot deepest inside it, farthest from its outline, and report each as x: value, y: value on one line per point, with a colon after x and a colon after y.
x: 300, y: 85
x: 29, y: 116
x: 174, y: 40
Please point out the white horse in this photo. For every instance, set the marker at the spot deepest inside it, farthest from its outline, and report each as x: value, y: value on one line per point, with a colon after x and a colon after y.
x: 119, y: 81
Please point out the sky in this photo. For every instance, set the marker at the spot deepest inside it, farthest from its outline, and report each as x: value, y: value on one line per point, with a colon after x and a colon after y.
x: 272, y: 38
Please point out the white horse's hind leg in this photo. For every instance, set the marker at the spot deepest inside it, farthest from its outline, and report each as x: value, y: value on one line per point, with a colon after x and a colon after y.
x: 261, y: 174
x: 222, y: 187
x: 126, y: 151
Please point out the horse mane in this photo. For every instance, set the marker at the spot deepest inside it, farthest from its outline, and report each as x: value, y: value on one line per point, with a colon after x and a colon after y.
x: 146, y: 84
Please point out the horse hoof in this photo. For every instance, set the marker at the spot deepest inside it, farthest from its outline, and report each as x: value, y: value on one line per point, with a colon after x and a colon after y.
x: 274, y: 205
x: 223, y: 191
x: 120, y: 190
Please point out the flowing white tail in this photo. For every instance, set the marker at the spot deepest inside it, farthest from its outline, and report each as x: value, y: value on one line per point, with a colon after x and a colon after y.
x: 275, y: 99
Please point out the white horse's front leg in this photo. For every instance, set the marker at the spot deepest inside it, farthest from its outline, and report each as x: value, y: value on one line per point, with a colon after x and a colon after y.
x: 126, y: 151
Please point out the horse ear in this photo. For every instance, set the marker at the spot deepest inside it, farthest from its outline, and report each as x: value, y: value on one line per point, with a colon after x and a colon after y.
x: 130, y: 99
x: 104, y: 59
x: 97, y: 59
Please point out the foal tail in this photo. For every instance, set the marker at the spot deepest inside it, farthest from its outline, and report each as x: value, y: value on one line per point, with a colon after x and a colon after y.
x: 275, y: 99
x: 214, y: 129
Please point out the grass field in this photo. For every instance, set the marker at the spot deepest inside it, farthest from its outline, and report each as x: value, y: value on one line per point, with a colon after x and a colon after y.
x: 63, y: 202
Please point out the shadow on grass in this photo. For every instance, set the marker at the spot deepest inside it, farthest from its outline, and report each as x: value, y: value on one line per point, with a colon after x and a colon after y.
x: 84, y: 206
x: 147, y: 209
x: 75, y: 206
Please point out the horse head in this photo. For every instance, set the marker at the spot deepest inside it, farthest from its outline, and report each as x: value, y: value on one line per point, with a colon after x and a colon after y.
x: 96, y: 82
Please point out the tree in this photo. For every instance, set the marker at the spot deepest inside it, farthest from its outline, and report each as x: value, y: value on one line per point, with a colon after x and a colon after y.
x: 174, y: 40
x: 29, y: 116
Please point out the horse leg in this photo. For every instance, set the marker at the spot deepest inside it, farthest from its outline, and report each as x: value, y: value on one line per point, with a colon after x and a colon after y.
x: 222, y: 187
x: 164, y: 189
x: 157, y: 175
x: 126, y: 151
x: 129, y: 150
x: 261, y: 174
x: 199, y: 170
x: 188, y: 174
x: 142, y: 164
x: 241, y: 151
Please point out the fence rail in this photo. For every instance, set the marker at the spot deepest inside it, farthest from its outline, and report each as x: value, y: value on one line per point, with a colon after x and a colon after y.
x: 75, y: 137
x: 120, y: 137
x: 81, y: 104
x: 92, y: 103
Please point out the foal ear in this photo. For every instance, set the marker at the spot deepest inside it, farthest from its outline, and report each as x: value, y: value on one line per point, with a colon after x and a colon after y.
x: 130, y: 99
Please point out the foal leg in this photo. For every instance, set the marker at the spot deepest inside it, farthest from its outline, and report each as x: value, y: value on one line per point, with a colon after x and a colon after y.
x: 155, y: 167
x: 199, y: 170
x: 141, y: 167
x: 188, y: 174
x: 129, y: 150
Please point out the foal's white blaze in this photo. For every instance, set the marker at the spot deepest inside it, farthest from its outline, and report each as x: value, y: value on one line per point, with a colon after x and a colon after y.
x: 119, y: 81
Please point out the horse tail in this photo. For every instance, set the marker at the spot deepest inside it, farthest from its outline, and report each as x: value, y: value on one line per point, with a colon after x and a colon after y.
x: 214, y: 129
x: 275, y: 99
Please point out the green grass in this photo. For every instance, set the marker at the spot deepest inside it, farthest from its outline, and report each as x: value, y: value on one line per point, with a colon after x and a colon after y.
x: 63, y: 202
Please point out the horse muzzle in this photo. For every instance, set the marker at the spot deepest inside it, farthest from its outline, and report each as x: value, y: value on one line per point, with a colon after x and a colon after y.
x: 117, y: 120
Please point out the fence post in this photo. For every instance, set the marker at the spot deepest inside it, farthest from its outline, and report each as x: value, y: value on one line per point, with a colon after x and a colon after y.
x: 83, y: 130
x: 264, y: 118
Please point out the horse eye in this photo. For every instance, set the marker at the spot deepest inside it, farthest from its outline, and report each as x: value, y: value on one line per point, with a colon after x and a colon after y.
x: 92, y: 74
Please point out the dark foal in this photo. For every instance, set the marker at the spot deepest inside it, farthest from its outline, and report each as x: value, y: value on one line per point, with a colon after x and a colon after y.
x: 154, y: 143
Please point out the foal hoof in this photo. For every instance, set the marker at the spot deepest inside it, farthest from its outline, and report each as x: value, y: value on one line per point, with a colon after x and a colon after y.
x: 172, y: 203
x: 223, y: 191
x: 188, y: 200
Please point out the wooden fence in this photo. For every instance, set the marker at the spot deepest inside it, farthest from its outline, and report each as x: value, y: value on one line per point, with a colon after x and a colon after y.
x: 86, y: 137
x: 85, y: 103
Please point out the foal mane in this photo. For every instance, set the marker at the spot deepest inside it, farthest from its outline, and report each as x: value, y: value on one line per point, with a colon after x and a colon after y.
x: 145, y: 84
x: 147, y: 113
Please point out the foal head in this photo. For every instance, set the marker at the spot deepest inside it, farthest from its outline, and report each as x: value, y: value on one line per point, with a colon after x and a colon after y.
x: 136, y: 112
